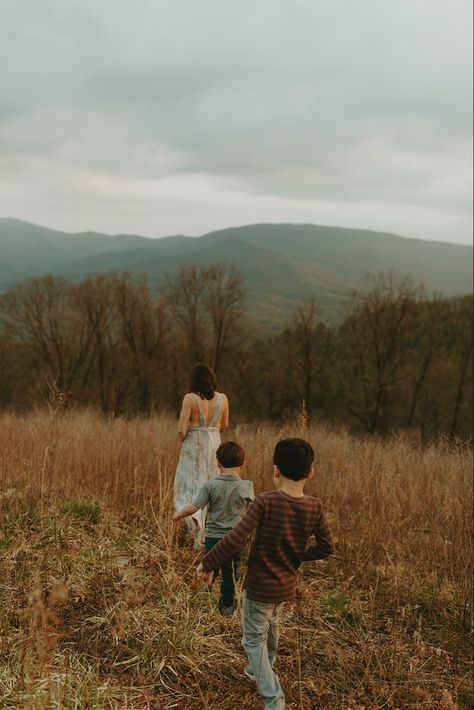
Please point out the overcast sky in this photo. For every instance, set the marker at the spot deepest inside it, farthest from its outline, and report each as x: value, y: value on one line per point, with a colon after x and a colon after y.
x: 161, y: 117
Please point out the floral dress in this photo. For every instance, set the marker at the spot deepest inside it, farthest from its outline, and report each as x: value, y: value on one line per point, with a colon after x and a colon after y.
x: 197, y: 464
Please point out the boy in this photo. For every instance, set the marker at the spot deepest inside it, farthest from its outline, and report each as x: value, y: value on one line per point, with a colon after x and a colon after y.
x: 227, y: 497
x: 284, y: 520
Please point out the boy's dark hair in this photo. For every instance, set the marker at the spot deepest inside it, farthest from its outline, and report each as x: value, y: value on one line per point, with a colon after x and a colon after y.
x: 203, y: 381
x: 294, y: 458
x: 230, y: 455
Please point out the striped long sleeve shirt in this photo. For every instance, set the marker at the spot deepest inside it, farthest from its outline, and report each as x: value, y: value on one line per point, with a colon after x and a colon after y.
x: 283, y: 525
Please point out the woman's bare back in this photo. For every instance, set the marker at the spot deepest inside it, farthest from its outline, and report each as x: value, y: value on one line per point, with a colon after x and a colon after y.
x: 189, y: 416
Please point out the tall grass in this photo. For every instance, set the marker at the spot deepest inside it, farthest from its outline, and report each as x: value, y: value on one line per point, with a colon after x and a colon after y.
x: 86, y: 506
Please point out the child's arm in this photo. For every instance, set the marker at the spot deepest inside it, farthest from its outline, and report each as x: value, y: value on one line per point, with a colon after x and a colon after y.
x: 186, y: 510
x: 231, y: 543
x: 199, y: 502
x: 324, y: 543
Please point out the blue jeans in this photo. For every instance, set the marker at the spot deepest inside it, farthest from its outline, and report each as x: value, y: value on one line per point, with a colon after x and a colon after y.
x: 228, y: 570
x: 260, y: 640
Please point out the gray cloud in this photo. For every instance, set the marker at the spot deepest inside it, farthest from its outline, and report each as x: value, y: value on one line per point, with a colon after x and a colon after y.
x: 157, y: 106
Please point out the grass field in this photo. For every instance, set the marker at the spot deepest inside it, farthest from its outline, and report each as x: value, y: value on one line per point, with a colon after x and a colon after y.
x: 97, y: 603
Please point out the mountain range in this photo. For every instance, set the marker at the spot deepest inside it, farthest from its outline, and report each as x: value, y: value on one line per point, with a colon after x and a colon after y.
x: 282, y: 264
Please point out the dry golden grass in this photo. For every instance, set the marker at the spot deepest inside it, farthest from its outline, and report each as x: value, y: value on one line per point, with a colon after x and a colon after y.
x: 98, y: 608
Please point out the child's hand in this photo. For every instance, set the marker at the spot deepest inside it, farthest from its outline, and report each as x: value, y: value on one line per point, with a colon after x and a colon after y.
x: 176, y: 516
x: 203, y: 575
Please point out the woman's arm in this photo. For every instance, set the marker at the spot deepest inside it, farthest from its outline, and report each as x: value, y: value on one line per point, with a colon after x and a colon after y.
x: 184, y: 416
x: 225, y: 415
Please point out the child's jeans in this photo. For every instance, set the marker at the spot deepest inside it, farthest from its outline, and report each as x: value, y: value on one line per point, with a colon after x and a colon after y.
x: 228, y: 570
x: 260, y: 640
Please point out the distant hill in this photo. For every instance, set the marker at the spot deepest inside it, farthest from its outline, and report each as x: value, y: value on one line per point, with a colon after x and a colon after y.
x: 282, y: 264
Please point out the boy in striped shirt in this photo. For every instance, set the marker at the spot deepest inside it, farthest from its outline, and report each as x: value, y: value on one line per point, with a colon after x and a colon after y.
x: 283, y: 521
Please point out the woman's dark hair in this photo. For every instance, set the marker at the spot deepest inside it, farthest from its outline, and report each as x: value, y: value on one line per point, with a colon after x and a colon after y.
x: 203, y: 382
x: 229, y: 454
x: 294, y: 458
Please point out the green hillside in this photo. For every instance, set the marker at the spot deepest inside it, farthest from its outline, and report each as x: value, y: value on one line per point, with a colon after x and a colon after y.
x: 282, y: 264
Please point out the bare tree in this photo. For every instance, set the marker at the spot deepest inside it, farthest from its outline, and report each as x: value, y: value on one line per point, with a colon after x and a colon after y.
x: 7, y: 372
x: 224, y: 299
x: 144, y: 329
x: 207, y: 303
x: 95, y: 297
x: 185, y: 295
x: 426, y: 346
x: 44, y: 313
x: 305, y: 335
x: 462, y: 341
x: 375, y: 341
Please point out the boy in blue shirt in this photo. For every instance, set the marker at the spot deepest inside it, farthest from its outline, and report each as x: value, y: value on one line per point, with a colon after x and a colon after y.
x: 227, y: 497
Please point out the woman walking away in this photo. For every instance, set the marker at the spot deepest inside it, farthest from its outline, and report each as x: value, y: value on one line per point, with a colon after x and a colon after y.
x: 204, y: 415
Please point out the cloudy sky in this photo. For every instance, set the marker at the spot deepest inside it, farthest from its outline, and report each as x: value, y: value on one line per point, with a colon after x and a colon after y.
x: 161, y: 117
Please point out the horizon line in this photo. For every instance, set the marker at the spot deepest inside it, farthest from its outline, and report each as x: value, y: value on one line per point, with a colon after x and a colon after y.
x: 236, y: 227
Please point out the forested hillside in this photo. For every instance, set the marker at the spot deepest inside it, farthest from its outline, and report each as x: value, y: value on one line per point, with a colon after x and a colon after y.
x: 400, y: 358
x: 283, y: 264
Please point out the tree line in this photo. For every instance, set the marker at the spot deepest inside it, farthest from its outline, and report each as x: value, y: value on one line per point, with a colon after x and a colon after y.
x: 400, y: 359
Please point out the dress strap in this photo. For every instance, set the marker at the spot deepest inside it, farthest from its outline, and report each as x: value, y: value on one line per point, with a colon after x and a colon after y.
x: 217, y: 409
x: 202, y: 420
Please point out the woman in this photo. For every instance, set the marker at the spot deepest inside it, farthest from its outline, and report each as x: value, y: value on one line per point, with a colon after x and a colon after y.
x: 204, y: 415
